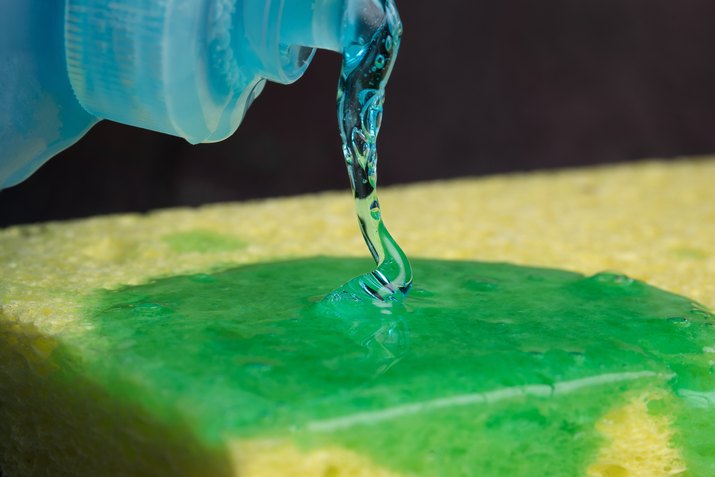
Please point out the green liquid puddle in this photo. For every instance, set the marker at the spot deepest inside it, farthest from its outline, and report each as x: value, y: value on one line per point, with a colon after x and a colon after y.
x: 485, y: 362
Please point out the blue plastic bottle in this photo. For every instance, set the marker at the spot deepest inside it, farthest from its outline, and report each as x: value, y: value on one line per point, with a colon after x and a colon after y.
x: 190, y: 68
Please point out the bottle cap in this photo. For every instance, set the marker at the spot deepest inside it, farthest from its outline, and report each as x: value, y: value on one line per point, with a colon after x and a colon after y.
x: 189, y: 68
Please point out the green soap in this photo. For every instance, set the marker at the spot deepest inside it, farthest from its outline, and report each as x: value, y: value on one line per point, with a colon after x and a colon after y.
x: 483, y: 362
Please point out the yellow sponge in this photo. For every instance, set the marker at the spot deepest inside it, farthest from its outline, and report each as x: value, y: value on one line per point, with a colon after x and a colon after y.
x: 65, y: 411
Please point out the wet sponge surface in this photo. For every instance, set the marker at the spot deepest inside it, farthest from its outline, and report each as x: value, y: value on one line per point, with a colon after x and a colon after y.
x: 66, y: 416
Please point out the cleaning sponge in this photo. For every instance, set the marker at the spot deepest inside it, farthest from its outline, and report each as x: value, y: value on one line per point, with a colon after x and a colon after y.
x: 97, y: 350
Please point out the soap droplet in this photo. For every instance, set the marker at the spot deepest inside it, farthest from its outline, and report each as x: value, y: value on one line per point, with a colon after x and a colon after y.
x: 380, y: 61
x: 679, y: 321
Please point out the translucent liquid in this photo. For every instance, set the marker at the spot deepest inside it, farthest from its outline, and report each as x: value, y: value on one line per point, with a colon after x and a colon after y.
x: 484, y: 365
x: 367, y: 64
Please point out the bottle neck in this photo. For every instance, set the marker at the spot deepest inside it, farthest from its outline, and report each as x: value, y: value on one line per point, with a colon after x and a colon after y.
x: 262, y: 41
x: 193, y: 71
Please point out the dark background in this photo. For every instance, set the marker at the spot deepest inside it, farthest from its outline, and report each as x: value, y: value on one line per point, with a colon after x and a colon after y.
x: 480, y: 87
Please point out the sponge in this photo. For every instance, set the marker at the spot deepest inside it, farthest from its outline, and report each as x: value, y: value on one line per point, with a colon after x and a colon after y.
x: 98, y: 368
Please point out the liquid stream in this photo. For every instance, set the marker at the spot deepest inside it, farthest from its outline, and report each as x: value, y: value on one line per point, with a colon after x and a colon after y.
x: 367, y: 64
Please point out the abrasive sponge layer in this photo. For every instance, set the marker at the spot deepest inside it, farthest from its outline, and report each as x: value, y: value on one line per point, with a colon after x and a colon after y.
x: 653, y: 221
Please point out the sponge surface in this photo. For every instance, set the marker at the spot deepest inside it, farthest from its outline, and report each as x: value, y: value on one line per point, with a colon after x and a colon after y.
x: 651, y: 221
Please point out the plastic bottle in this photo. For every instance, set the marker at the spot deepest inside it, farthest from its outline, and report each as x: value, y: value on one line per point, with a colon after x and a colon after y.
x: 190, y: 68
